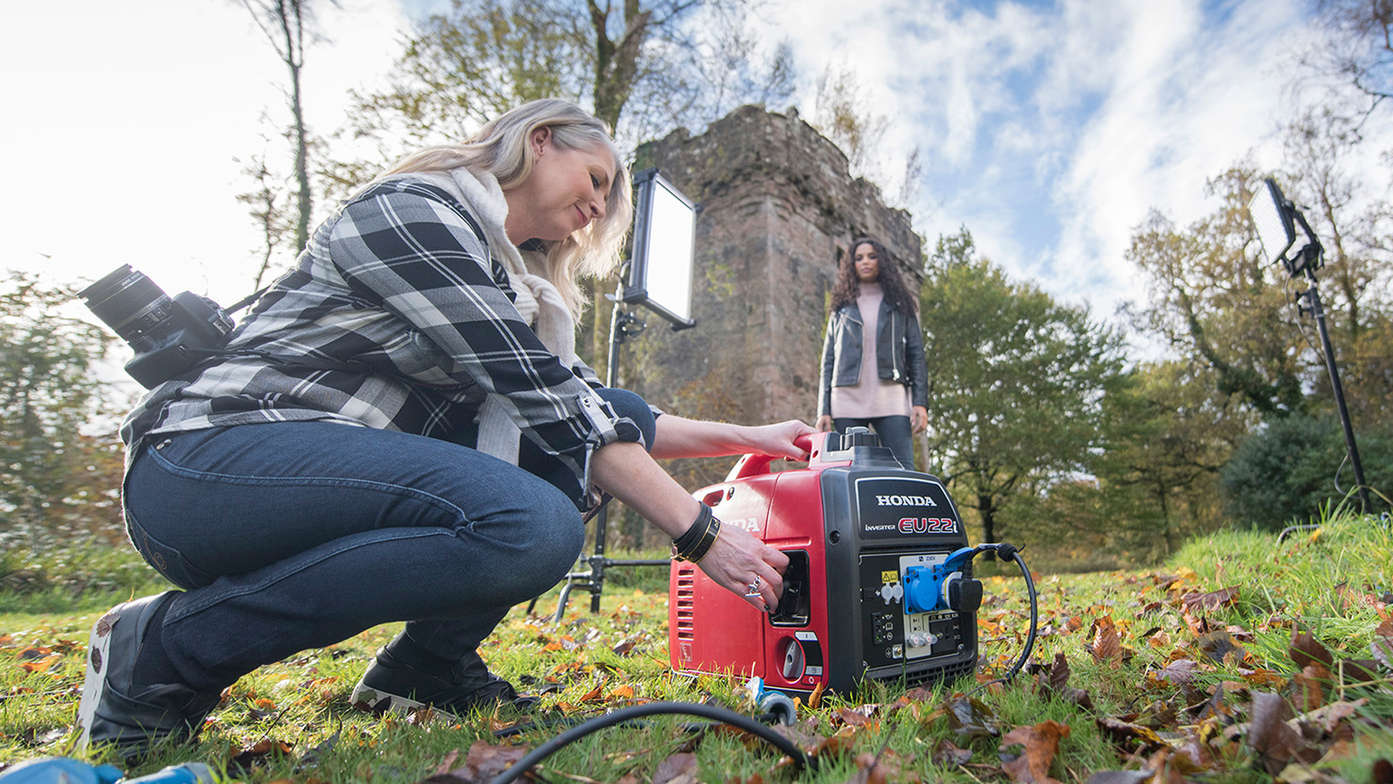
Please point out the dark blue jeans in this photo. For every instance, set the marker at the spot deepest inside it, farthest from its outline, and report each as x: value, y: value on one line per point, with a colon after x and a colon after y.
x: 296, y: 535
x: 894, y: 432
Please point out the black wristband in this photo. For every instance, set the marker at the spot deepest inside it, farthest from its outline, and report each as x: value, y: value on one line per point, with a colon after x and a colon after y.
x: 694, y: 543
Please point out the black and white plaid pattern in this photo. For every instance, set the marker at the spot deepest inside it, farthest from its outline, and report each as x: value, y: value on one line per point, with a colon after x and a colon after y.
x: 395, y: 317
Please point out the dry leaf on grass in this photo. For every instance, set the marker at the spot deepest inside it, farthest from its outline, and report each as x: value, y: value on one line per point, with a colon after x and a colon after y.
x: 948, y: 755
x: 1306, y: 649
x: 1218, y: 645
x: 1128, y: 736
x: 1213, y: 600
x: 970, y: 718
x: 873, y: 769
x: 1381, y: 647
x: 1107, y: 642
x: 1269, y: 734
x: 1120, y: 777
x: 1040, y: 743
x: 483, y: 763
x: 680, y: 768
x: 1309, y: 686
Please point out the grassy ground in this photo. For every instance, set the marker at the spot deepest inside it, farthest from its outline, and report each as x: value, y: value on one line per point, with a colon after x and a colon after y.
x: 1239, y: 661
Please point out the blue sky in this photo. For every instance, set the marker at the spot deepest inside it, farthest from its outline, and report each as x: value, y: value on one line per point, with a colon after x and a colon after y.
x: 1048, y: 128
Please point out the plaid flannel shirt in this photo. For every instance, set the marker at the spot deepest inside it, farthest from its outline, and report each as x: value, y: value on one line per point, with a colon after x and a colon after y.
x: 395, y: 317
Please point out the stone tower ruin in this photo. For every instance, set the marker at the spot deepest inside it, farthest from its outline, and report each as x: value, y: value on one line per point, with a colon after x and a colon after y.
x: 777, y: 209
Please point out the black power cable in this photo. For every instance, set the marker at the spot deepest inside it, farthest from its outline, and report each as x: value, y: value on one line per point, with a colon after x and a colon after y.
x: 1005, y: 551
x: 1010, y: 553
x: 801, y: 759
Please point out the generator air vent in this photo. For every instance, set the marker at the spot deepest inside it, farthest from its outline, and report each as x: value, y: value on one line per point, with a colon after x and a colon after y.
x: 685, y: 594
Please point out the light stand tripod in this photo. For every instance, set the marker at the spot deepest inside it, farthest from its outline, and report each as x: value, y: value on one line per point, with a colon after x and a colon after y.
x: 659, y: 277
x: 623, y: 325
x: 1274, y: 215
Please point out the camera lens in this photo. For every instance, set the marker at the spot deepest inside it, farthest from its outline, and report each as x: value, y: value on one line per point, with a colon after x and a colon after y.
x: 128, y: 302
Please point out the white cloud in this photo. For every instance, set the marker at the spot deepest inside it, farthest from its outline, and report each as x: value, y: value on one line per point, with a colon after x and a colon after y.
x: 1189, y: 99
x: 1051, y: 132
x: 1048, y: 131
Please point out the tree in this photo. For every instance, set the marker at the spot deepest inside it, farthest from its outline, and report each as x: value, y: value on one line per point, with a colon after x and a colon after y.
x: 643, y: 66
x: 1213, y: 297
x: 266, y: 204
x: 1357, y: 51
x: 54, y: 480
x: 1354, y: 226
x: 1016, y: 380
x: 844, y: 113
x: 1289, y: 471
x: 283, y: 22
x: 1167, y: 434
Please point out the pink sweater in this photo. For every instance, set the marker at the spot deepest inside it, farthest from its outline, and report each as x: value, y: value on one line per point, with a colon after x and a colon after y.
x: 872, y: 396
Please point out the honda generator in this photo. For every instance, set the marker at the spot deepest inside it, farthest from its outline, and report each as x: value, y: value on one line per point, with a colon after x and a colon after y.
x: 878, y: 584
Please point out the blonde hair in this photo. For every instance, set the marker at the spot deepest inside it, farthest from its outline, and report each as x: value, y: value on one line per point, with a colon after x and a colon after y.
x: 501, y: 148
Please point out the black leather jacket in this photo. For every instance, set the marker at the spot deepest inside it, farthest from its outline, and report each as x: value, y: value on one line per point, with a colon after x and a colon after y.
x: 899, y: 349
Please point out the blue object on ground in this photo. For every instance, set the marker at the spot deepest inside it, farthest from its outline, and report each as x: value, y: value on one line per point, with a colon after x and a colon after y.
x: 62, y: 770
x: 184, y: 773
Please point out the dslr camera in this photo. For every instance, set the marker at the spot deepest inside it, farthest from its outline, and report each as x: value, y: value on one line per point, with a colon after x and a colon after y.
x: 169, y: 335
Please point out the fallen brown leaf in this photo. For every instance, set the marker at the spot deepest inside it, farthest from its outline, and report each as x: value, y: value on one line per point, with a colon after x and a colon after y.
x: 679, y: 768
x: 1178, y: 673
x: 1268, y: 732
x: 1058, y: 675
x: 1381, y: 646
x: 970, y: 718
x: 1224, y: 597
x: 447, y: 762
x: 1218, y: 645
x: 1041, y: 743
x: 1130, y: 737
x: 1359, y: 672
x: 1120, y: 777
x: 1309, y: 686
x: 1305, y: 650
x: 873, y: 769
x: 1107, y: 643
x: 949, y: 755
x: 859, y: 716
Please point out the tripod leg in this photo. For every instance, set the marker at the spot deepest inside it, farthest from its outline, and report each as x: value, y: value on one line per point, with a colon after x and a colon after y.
x: 561, y: 602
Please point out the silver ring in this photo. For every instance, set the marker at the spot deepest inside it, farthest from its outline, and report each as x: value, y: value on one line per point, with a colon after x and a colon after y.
x: 753, y: 588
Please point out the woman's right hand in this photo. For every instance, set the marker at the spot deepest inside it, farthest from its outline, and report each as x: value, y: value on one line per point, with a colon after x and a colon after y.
x: 737, y: 559
x: 824, y: 424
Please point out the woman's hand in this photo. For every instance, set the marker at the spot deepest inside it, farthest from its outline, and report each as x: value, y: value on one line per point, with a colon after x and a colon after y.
x: 737, y: 561
x: 919, y: 418
x: 824, y: 424
x: 777, y: 439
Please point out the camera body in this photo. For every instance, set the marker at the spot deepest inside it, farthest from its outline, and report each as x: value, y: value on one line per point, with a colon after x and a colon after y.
x: 168, y: 334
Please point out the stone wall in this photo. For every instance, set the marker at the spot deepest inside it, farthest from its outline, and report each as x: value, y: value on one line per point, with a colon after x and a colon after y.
x: 777, y: 209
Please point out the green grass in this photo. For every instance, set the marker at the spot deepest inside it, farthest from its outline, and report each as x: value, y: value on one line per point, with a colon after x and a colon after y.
x: 1331, y: 583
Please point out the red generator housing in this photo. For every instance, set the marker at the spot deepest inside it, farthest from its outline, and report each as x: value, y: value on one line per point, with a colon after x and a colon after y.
x: 851, y: 522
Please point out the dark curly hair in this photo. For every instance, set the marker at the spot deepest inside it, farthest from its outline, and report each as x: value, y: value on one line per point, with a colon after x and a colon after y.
x: 891, y: 282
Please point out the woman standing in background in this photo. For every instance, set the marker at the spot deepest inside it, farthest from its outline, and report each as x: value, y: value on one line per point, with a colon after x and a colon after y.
x: 873, y: 318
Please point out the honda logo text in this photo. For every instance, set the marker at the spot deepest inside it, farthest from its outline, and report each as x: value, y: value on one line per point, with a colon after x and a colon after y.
x: 904, y: 500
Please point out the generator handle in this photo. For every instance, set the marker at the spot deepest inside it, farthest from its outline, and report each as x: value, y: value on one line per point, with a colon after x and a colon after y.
x: 754, y: 465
